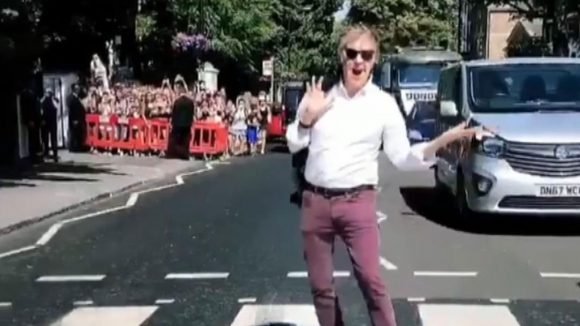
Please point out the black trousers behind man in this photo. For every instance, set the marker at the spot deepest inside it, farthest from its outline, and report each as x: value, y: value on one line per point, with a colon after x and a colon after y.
x: 298, y: 165
x: 49, y: 129
x: 34, y: 142
x: 78, y: 134
x: 179, y: 143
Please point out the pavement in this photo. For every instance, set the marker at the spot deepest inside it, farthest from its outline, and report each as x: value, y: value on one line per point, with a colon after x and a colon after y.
x: 222, y: 247
x: 48, y: 189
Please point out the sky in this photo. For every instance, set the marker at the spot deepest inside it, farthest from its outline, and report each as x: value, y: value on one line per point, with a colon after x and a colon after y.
x: 341, y: 14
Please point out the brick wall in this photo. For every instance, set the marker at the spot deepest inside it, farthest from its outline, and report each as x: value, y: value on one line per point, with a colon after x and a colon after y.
x: 501, y: 24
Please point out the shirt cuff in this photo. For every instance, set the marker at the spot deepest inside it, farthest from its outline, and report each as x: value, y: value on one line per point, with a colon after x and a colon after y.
x: 417, y: 152
x: 302, y: 133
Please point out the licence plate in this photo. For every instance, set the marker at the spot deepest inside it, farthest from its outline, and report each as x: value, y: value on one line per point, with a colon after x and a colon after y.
x: 558, y: 191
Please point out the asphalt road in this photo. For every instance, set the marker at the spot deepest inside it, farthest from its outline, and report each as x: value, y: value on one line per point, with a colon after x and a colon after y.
x: 223, y: 249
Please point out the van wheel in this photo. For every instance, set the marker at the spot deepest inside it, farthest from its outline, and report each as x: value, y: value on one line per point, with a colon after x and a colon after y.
x: 463, y: 210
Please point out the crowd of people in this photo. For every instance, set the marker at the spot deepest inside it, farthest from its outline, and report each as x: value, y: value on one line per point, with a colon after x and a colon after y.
x: 246, y: 117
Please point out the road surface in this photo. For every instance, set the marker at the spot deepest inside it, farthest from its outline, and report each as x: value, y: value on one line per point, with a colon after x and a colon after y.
x: 223, y: 248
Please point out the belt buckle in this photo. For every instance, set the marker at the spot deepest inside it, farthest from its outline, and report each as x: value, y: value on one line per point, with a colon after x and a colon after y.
x: 351, y: 194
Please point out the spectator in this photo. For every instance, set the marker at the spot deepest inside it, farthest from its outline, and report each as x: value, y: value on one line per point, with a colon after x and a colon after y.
x: 238, y: 129
x: 264, y: 117
x: 76, y: 120
x: 49, y: 126
x: 181, y: 121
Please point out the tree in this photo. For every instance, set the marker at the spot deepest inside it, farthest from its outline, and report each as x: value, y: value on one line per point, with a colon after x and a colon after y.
x: 408, y: 22
x: 238, y: 29
x: 19, y: 44
x: 307, y: 37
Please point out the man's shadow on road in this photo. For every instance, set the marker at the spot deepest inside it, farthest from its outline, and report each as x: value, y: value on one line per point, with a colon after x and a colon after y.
x: 427, y: 203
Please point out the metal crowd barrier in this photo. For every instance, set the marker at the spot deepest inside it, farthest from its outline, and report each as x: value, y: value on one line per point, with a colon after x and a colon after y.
x: 151, y: 136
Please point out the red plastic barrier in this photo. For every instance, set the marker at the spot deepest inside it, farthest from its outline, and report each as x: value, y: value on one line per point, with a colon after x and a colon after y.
x: 135, y: 134
x: 159, y: 130
x: 122, y: 131
x: 209, y: 138
x: 139, y: 133
x: 105, y: 133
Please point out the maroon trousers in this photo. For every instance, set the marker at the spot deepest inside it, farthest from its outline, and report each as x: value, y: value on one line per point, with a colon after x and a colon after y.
x: 354, y: 219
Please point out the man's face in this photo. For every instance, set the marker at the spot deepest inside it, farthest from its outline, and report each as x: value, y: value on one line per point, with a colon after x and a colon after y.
x: 358, y: 58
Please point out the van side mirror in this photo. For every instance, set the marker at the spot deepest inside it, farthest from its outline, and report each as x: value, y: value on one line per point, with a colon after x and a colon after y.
x: 449, y: 109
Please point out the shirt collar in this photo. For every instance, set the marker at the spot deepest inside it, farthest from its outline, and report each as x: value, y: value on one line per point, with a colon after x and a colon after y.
x: 341, y: 90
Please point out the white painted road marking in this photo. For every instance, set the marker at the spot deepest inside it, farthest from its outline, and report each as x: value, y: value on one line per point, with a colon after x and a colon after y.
x: 17, y: 251
x: 5, y: 304
x: 466, y: 315
x: 196, y: 276
x: 110, y: 316
x: 387, y: 264
x: 133, y: 198
x: 444, y: 274
x: 304, y: 274
x: 164, y: 301
x: 252, y: 315
x: 83, y: 303
x: 416, y: 299
x: 382, y: 217
x: 247, y: 300
x: 560, y: 275
x: 71, y: 278
x: 499, y: 300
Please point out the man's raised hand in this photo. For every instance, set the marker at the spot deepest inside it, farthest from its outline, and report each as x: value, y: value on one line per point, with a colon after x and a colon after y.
x: 317, y: 102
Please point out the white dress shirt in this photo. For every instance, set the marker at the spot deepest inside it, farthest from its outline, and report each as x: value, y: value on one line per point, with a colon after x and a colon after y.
x: 344, y: 144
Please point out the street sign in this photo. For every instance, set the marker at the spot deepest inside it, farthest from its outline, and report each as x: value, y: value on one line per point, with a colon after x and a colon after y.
x: 267, y: 67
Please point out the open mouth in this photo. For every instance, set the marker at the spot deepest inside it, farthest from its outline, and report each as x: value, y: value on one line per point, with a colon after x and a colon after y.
x: 357, y: 71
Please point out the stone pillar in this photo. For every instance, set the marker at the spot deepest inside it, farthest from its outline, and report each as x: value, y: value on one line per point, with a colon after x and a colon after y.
x: 209, y: 75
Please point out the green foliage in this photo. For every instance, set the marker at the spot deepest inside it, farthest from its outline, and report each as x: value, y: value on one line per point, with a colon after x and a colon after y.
x: 307, y: 39
x: 238, y: 28
x: 528, y: 47
x: 408, y: 22
x: 18, y: 42
x: 145, y: 25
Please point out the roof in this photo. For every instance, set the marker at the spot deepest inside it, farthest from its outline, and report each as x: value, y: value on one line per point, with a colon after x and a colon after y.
x: 533, y: 27
x: 424, y: 55
x: 522, y: 60
x: 507, y: 7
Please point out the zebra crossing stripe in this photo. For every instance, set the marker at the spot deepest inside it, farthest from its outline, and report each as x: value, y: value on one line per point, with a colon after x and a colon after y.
x: 71, y: 278
x: 196, y: 276
x: 110, y: 316
x: 472, y: 315
x: 251, y: 315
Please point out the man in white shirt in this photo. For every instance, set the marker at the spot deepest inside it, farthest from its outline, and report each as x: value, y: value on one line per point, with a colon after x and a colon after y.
x: 344, y: 130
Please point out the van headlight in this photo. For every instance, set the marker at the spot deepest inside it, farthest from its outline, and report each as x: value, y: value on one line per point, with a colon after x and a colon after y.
x: 493, y: 147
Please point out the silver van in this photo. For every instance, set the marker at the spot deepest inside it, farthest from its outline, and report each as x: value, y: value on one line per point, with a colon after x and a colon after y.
x: 531, y: 163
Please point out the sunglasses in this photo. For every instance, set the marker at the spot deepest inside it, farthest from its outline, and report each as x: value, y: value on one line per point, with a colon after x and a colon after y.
x: 366, y: 55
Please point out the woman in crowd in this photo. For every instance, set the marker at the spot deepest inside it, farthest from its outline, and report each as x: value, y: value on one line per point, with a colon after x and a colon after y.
x: 264, y: 116
x: 238, y: 129
x: 253, y: 123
